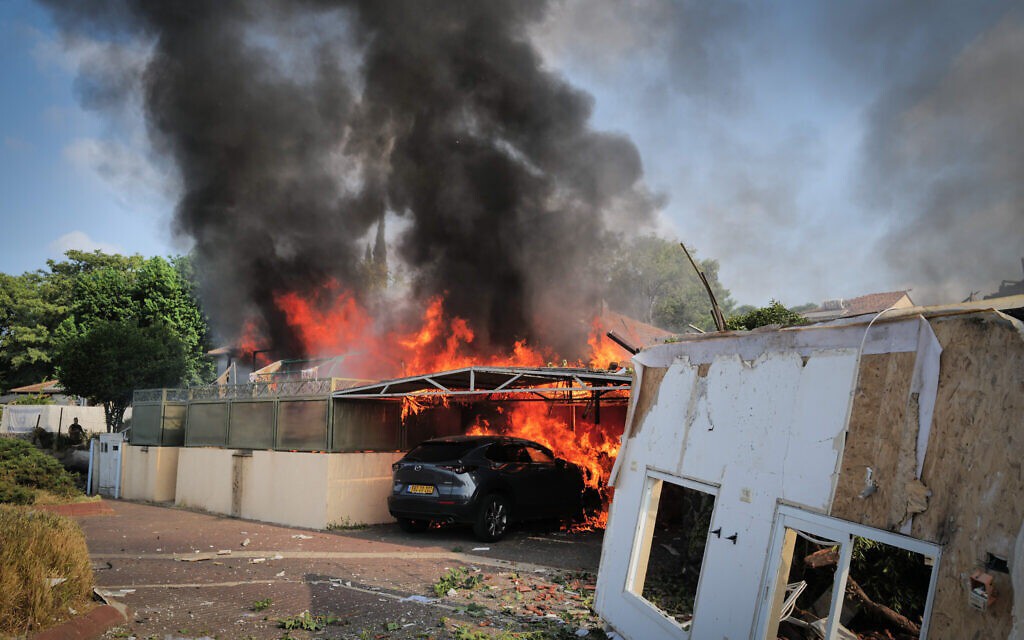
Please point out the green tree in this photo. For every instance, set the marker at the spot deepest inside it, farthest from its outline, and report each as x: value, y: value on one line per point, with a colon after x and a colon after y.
x: 774, y: 313
x: 108, y: 361
x: 373, y: 270
x: 29, y: 316
x: 651, y: 280
x: 148, y: 290
x: 39, y: 309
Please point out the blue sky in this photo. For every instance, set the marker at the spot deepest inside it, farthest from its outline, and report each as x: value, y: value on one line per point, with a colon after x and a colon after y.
x: 815, y: 150
x: 52, y: 196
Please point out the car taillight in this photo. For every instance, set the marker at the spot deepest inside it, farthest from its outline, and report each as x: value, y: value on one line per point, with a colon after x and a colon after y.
x: 458, y: 468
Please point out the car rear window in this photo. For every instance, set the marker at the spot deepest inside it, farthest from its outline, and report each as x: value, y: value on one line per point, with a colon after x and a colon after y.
x: 440, y: 451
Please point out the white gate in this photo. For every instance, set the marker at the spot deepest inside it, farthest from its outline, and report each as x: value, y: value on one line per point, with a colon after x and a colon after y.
x: 110, y: 464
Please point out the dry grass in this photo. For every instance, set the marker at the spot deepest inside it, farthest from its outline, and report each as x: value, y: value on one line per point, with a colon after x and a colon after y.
x: 46, y: 497
x: 37, y: 548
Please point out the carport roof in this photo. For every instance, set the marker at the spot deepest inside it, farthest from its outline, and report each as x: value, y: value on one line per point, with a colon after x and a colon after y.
x: 473, y: 381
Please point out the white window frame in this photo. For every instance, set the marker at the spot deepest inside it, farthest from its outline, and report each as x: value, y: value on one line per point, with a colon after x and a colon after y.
x: 669, y: 625
x: 843, y: 533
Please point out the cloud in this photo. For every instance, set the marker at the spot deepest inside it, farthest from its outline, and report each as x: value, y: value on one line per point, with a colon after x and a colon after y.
x: 945, y: 168
x: 687, y: 46
x: 81, y: 241
x: 128, y: 170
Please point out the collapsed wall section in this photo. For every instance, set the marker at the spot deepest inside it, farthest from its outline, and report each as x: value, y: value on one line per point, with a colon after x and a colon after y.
x: 969, y: 497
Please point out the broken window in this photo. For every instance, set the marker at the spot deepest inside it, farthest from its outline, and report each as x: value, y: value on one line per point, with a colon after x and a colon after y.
x: 833, y: 579
x: 669, y: 551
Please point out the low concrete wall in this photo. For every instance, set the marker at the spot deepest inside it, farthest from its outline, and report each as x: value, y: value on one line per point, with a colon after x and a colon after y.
x: 358, y: 485
x: 204, y: 479
x: 299, y: 489
x: 149, y: 473
x: 287, y: 488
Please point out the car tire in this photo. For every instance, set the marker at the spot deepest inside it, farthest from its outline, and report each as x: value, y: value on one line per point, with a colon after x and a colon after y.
x: 492, y: 518
x: 409, y: 525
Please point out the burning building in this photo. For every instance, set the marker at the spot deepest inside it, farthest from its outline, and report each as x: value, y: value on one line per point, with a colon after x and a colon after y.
x: 254, y: 450
x: 407, y: 188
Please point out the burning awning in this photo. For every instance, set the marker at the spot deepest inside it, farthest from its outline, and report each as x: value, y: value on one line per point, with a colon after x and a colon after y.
x: 485, y: 381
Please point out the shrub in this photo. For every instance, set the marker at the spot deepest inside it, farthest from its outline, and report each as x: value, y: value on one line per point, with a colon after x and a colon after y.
x: 11, y: 493
x: 44, y: 569
x: 774, y: 313
x: 24, y: 465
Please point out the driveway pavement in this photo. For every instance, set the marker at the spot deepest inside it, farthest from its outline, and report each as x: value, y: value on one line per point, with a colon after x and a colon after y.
x: 185, y: 574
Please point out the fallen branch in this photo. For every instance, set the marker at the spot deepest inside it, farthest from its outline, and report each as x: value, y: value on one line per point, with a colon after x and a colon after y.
x: 880, y: 612
x: 870, y: 608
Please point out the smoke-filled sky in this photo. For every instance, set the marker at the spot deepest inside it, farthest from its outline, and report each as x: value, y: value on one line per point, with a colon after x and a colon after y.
x: 816, y: 150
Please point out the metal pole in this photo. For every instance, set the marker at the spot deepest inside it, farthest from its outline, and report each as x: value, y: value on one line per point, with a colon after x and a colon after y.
x: 92, y: 459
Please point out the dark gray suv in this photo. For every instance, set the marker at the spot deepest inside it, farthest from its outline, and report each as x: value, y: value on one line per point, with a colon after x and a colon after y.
x: 487, y: 481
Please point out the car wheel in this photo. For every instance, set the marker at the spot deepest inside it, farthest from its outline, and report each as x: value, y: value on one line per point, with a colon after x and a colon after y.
x: 413, y: 526
x: 492, y: 519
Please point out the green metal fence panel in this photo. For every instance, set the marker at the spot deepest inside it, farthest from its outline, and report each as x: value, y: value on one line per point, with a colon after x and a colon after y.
x: 251, y: 425
x: 366, y: 426
x: 173, y: 432
x: 207, y: 424
x: 302, y: 425
x: 145, y: 424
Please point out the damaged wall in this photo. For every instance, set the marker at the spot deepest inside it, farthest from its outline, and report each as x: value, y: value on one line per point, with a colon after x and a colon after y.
x: 754, y: 432
x: 795, y: 417
x: 972, y: 484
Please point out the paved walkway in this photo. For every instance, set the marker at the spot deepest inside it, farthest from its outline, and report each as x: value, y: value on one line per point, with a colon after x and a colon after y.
x: 189, y: 575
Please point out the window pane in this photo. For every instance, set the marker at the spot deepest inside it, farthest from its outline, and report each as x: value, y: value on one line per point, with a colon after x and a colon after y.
x: 803, y: 591
x: 672, y: 551
x: 440, y: 451
x: 538, y: 455
x: 887, y: 589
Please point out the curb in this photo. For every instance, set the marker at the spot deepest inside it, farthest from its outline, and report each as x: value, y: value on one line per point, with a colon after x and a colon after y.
x: 78, y: 509
x: 85, y: 627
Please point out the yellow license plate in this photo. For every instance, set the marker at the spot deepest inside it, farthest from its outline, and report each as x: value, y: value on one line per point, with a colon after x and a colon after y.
x: 421, y: 488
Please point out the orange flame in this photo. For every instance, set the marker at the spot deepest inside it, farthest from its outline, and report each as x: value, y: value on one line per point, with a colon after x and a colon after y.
x: 591, y: 446
x: 603, y: 350
x: 330, y: 321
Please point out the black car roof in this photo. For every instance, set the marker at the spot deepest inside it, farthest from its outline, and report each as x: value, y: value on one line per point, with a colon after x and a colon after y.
x: 481, y: 440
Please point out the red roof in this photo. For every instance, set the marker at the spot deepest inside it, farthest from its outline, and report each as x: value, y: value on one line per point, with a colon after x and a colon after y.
x: 637, y: 334
x: 50, y: 386
x: 870, y: 303
x: 874, y: 302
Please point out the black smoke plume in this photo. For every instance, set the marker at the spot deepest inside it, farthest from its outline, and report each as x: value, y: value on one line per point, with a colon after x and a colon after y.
x: 295, y: 126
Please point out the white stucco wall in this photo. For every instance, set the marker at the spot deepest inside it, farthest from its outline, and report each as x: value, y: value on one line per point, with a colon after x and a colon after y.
x: 295, y: 488
x: 763, y: 426
x: 358, y: 488
x: 759, y: 431
x: 204, y: 479
x: 287, y: 488
x: 149, y: 473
